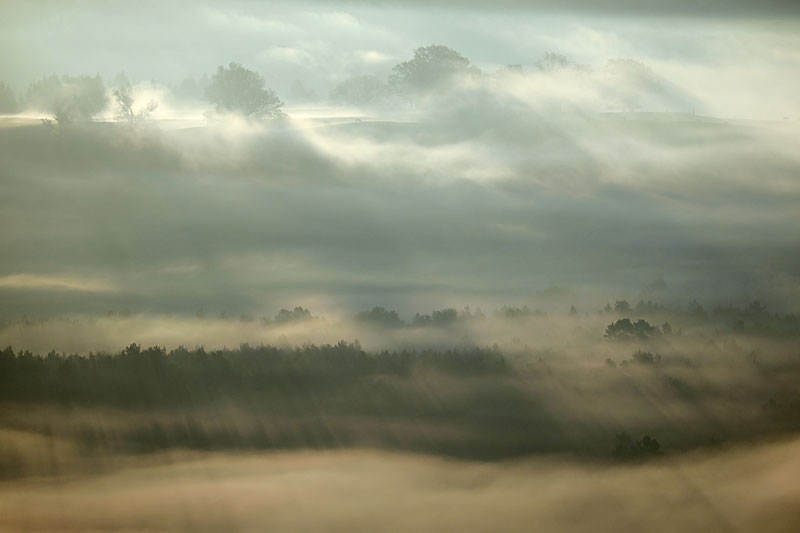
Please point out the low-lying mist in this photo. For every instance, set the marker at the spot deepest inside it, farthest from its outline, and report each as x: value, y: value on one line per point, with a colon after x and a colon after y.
x: 740, y: 489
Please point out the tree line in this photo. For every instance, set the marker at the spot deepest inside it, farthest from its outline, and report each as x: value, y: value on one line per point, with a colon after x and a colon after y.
x: 142, y: 377
x: 234, y: 88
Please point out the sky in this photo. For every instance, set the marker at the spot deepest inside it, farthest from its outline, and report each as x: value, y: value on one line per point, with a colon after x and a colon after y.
x: 665, y: 151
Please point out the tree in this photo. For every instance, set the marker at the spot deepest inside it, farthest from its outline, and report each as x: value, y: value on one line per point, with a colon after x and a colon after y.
x: 622, y: 306
x: 298, y: 313
x: 624, y: 329
x: 646, y: 358
x: 627, y: 450
x: 381, y: 316
x: 444, y: 317
x: 239, y: 90
x: 68, y: 98
x: 123, y: 95
x: 431, y: 67
x: 511, y: 311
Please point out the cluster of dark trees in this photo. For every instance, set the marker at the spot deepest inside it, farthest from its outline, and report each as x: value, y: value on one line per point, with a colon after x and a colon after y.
x: 240, y: 90
x: 442, y: 317
x: 139, y: 377
x: 298, y: 313
x: 438, y: 318
x: 625, y: 329
x: 284, y: 316
x: 753, y: 319
x: 625, y: 449
x: 640, y: 357
x: 386, y: 318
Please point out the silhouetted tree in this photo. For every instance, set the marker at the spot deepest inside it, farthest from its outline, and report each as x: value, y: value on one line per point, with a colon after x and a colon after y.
x: 646, y: 358
x: 627, y: 450
x: 444, y: 317
x: 298, y: 313
x: 237, y: 89
x: 381, y: 316
x: 622, y: 306
x: 624, y: 329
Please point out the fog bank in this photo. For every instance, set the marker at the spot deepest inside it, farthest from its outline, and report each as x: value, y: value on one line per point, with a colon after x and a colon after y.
x: 744, y: 489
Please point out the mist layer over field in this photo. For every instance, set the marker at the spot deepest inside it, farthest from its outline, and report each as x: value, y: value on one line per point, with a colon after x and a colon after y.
x: 750, y: 489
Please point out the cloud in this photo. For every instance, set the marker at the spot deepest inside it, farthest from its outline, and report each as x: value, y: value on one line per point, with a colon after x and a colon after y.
x: 371, y: 56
